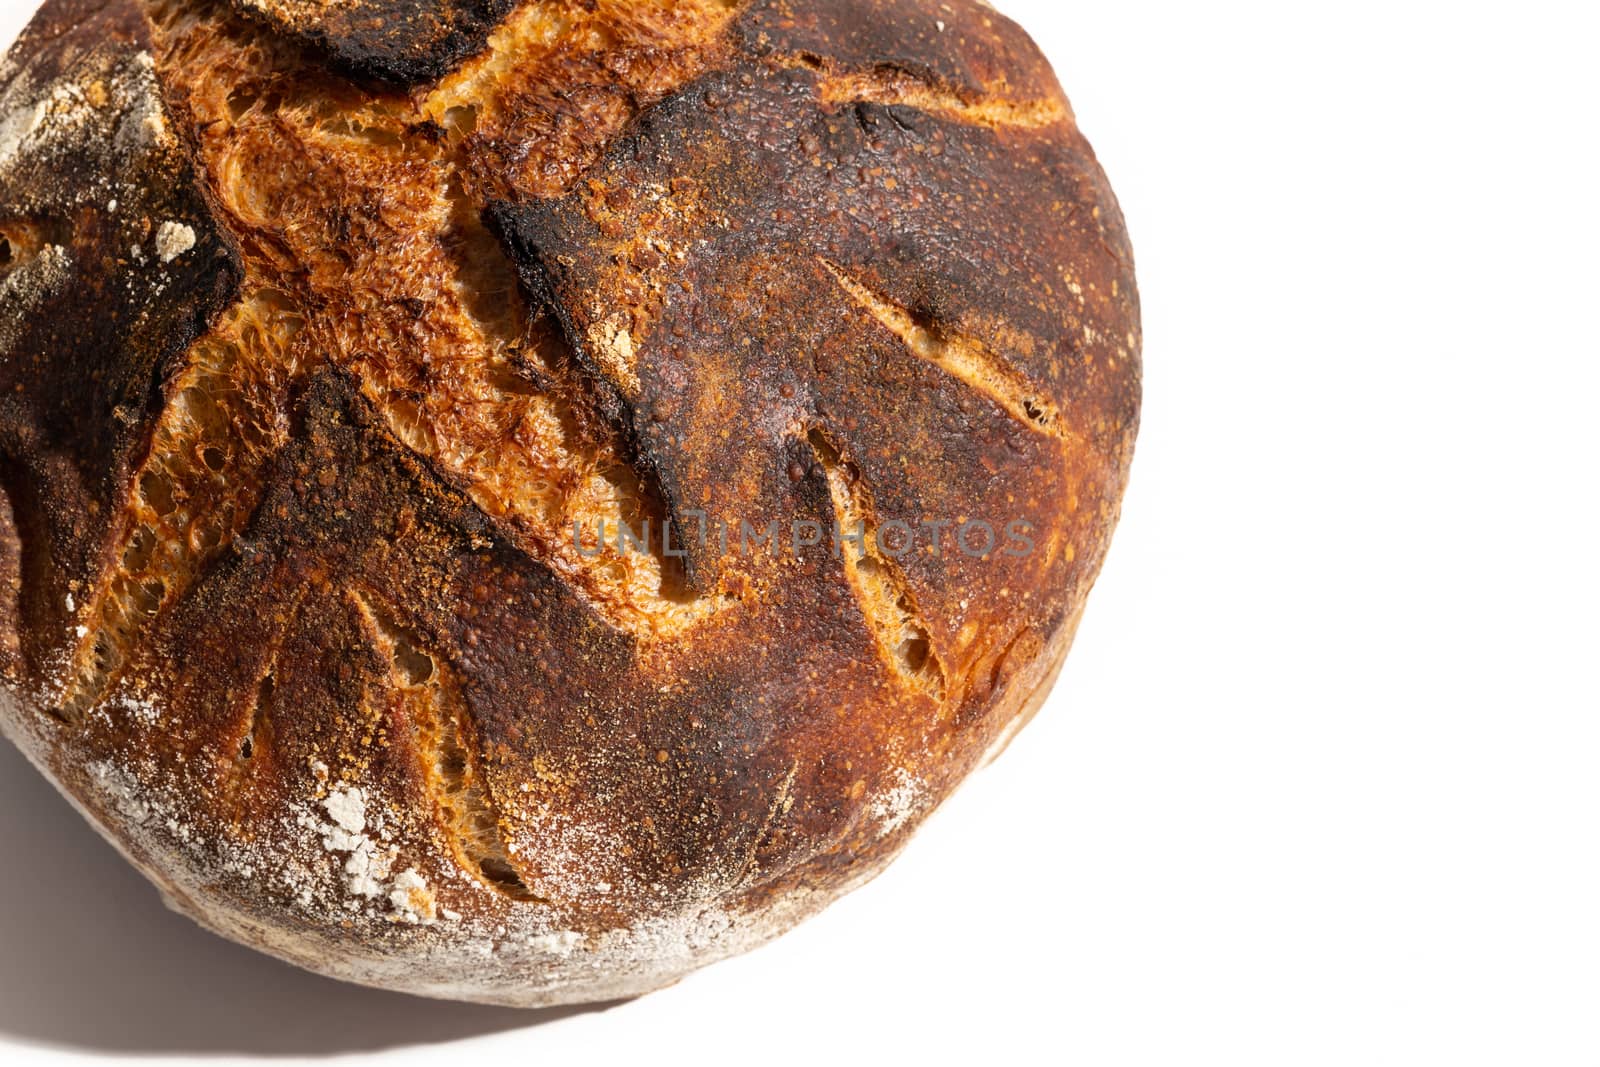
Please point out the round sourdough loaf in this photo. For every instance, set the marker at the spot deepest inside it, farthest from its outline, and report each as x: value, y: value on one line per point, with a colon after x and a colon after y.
x: 516, y: 503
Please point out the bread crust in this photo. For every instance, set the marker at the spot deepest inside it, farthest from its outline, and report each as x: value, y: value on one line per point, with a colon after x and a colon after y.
x: 393, y: 44
x: 305, y: 604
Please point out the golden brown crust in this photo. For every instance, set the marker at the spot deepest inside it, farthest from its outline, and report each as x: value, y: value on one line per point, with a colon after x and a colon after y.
x: 307, y: 630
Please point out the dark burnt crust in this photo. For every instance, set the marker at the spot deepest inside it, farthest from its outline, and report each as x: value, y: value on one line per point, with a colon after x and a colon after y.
x: 396, y: 44
x: 970, y: 47
x: 82, y: 381
x: 855, y: 278
x: 942, y: 218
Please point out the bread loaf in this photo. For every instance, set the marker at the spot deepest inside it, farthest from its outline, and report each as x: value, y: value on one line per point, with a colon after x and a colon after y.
x: 515, y: 503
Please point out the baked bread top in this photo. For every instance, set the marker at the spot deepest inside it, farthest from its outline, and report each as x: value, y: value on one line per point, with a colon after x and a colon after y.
x: 331, y: 339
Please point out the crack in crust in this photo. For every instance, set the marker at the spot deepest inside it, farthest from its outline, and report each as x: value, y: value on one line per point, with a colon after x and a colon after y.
x: 258, y: 733
x: 892, y: 86
x: 894, y: 89
x: 428, y: 696
x: 248, y: 761
x: 197, y: 486
x: 879, y: 582
x: 782, y: 801
x: 965, y: 358
x: 363, y: 206
x: 430, y: 315
x: 559, y: 82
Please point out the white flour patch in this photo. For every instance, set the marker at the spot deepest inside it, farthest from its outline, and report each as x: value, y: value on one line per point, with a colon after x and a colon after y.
x: 366, y: 869
x: 348, y: 808
x: 28, y: 286
x: 558, y: 944
x: 366, y: 866
x: 173, y: 239
x: 142, y: 710
x: 119, y: 787
x: 411, y: 899
x: 143, y: 121
x: 20, y: 123
x: 101, y: 101
x: 368, y: 859
x: 896, y: 805
x: 130, y: 704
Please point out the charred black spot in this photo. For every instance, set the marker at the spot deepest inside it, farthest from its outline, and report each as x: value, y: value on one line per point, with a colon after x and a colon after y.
x: 396, y: 44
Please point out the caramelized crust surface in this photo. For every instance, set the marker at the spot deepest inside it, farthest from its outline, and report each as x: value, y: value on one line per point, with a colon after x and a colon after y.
x: 328, y: 350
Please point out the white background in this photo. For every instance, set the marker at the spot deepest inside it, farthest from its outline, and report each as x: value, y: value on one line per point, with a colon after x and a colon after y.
x: 1321, y: 783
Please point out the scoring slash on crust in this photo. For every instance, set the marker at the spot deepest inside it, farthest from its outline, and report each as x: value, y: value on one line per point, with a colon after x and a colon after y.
x: 430, y: 699
x: 197, y: 486
x: 881, y: 586
x: 968, y: 359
